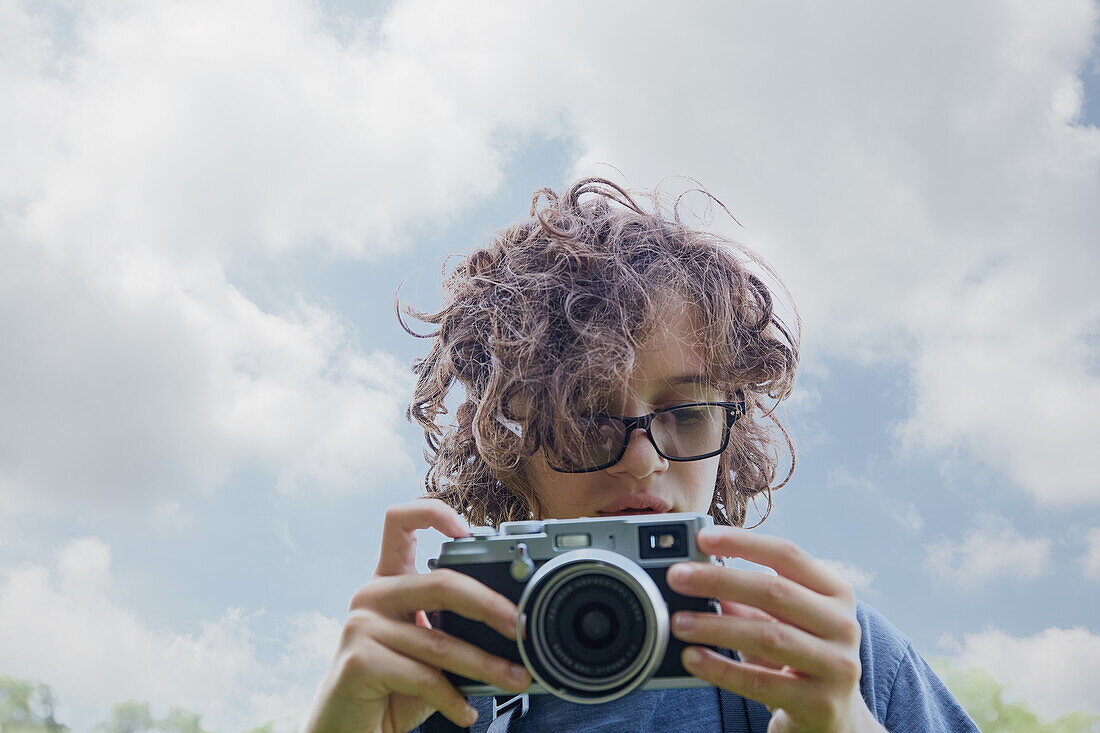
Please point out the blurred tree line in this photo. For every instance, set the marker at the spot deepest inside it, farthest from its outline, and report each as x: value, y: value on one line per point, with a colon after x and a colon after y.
x: 983, y: 698
x: 29, y: 707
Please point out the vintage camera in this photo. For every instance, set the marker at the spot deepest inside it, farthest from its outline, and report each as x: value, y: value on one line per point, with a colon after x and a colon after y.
x: 593, y: 600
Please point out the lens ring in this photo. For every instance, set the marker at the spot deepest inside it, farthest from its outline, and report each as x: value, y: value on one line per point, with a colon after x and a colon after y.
x: 549, y: 644
x: 534, y: 649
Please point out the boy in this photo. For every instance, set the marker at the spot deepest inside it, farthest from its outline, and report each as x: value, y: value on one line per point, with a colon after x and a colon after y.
x: 616, y: 361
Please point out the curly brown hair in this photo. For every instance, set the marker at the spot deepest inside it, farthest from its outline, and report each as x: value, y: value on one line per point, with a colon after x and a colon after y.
x: 542, y: 324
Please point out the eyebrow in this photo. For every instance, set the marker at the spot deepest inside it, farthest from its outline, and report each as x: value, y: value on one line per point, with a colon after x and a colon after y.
x: 691, y: 379
x: 683, y: 380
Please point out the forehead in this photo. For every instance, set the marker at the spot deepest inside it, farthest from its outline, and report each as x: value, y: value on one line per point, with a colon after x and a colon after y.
x: 671, y: 345
x: 670, y: 357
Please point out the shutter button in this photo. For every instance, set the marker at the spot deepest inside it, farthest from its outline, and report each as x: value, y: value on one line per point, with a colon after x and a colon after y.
x: 522, y: 567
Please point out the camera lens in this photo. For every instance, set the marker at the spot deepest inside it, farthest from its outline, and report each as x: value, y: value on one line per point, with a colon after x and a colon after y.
x: 597, y: 626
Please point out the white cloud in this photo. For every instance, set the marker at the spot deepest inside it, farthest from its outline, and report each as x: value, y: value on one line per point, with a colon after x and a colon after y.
x: 1090, y: 561
x: 171, y: 516
x: 898, y: 171
x: 158, y: 144
x: 906, y: 514
x: 843, y: 479
x: 132, y: 368
x: 924, y: 187
x: 804, y: 399
x: 282, y: 531
x: 860, y: 579
x: 63, y: 625
x: 909, y: 517
x: 1054, y: 671
x: 243, y: 125
x: 148, y: 378
x: 901, y: 172
x: 992, y: 549
x: 1009, y: 381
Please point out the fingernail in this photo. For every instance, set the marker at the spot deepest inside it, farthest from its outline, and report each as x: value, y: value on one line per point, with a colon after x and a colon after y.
x: 683, y: 621
x: 709, y: 533
x: 517, y: 673
x: 679, y: 573
x: 692, y: 656
x: 509, y: 622
x: 471, y: 715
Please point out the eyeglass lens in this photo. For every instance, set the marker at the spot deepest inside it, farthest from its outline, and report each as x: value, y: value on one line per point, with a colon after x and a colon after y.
x: 683, y: 432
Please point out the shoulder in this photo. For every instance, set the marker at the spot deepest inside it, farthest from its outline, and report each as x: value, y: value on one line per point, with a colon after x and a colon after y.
x: 882, y: 646
x: 882, y: 651
x: 899, y: 686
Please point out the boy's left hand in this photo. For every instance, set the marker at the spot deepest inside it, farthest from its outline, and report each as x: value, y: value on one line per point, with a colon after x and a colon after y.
x: 796, y: 633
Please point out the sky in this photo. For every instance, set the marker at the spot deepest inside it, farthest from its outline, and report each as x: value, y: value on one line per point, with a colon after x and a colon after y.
x: 207, y: 208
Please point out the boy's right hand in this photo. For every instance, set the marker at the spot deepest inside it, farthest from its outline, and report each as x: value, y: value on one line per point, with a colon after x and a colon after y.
x: 388, y: 671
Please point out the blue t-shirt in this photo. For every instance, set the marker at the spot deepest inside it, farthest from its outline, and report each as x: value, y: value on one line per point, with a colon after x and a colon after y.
x: 901, y: 690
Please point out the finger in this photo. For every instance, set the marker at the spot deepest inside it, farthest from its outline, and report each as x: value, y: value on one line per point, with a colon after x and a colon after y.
x: 780, y: 597
x: 770, y: 687
x: 743, y: 610
x: 783, y: 556
x: 416, y: 679
x: 778, y: 643
x: 398, y: 553
x: 439, y: 649
x: 403, y: 596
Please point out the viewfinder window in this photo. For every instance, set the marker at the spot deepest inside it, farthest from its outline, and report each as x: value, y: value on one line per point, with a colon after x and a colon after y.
x: 572, y: 541
x: 662, y: 541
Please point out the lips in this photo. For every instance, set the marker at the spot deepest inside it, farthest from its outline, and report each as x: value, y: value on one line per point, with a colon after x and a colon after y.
x: 636, y: 504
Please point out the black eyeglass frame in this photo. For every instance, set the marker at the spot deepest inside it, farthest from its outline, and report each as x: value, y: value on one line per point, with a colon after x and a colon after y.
x: 734, y: 412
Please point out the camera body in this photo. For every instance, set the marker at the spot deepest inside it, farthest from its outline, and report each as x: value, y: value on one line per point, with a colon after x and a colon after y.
x: 593, y: 600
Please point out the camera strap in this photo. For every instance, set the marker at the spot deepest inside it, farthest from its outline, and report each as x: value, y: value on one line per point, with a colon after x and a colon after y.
x: 740, y: 714
x: 507, y: 709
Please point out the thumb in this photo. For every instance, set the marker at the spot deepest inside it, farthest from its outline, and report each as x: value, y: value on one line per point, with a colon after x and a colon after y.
x: 398, y: 553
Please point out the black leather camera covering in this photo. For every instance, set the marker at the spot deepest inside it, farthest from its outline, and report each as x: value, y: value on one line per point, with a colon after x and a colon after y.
x: 498, y: 577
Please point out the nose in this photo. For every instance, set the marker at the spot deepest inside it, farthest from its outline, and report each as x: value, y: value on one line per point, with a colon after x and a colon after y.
x: 641, y: 458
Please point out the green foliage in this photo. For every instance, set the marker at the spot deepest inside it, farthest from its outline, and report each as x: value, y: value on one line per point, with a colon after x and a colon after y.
x: 983, y: 698
x: 179, y: 720
x: 27, y: 707
x: 128, y: 717
x: 136, y: 717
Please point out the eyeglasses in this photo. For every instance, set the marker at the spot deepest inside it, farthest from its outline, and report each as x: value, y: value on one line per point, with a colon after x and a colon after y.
x: 682, y: 433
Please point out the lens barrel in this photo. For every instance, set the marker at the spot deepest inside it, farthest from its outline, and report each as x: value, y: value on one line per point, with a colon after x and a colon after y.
x: 597, y: 626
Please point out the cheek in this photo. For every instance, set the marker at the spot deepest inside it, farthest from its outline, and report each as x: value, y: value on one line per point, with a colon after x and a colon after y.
x: 539, y: 480
x: 562, y: 495
x: 698, y: 483
x: 570, y: 493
